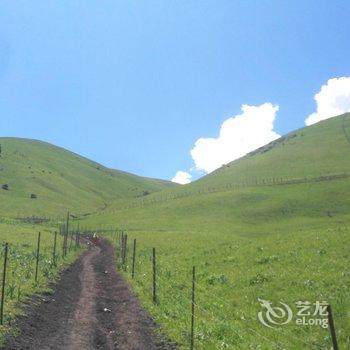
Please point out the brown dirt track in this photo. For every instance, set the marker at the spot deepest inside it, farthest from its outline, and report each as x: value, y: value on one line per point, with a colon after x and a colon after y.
x: 92, y: 307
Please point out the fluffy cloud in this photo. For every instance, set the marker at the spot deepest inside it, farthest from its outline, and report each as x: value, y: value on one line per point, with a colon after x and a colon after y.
x: 333, y: 99
x: 238, y: 136
x: 182, y: 178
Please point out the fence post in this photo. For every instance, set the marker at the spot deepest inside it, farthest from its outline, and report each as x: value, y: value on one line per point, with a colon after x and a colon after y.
x: 37, y: 257
x: 133, y: 259
x: 121, y: 245
x: 193, y: 306
x: 332, y: 328
x: 154, y: 289
x: 3, y: 285
x: 125, y: 250
x: 78, y: 236
x: 116, y: 245
x: 54, y: 248
x: 67, y: 233
x: 121, y: 249
x: 65, y: 239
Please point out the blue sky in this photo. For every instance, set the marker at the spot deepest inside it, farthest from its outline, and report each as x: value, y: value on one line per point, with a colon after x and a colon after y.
x: 134, y: 84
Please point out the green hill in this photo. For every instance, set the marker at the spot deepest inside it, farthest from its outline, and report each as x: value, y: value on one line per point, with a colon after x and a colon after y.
x: 272, y: 225
x: 312, y: 154
x: 38, y: 178
x: 60, y: 179
x: 319, y: 150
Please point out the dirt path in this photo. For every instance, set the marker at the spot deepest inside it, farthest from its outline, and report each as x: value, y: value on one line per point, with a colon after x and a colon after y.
x: 91, y: 308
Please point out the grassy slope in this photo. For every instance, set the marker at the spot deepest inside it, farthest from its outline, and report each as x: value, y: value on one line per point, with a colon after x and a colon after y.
x: 235, y: 269
x: 320, y: 150
x: 278, y: 242
x: 248, y: 240
x: 61, y: 180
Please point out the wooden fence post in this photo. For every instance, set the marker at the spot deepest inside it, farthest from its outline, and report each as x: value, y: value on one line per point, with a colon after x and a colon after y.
x: 54, y: 249
x: 193, y: 306
x: 3, y: 285
x: 154, y: 289
x: 63, y: 233
x: 133, y: 259
x: 332, y: 328
x: 65, y: 240
x: 121, y: 245
x: 67, y: 232
x: 125, y: 251
x: 116, y: 245
x: 37, y: 257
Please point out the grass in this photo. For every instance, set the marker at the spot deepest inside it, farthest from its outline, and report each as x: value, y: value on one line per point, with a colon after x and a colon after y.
x: 60, y: 180
x: 306, y: 155
x: 271, y: 225
x: 276, y: 242
x: 20, y: 275
x: 233, y: 271
x: 320, y: 149
x: 251, y: 209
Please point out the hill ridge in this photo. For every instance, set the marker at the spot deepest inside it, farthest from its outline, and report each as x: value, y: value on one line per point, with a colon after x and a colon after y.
x: 39, y: 177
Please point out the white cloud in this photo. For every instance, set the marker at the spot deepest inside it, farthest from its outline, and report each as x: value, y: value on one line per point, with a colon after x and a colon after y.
x: 238, y: 136
x: 333, y: 99
x: 182, y: 178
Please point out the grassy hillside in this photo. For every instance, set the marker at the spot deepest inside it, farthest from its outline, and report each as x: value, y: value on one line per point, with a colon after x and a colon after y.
x: 317, y: 153
x: 319, y: 150
x: 273, y: 242
x: 60, y: 179
x: 253, y: 209
x: 272, y: 225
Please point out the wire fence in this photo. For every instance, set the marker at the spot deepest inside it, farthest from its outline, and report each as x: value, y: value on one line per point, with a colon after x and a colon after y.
x: 199, y: 189
x: 217, y: 328
x: 213, y: 317
x: 27, y: 266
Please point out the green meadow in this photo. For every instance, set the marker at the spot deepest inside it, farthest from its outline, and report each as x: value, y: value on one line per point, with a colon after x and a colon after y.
x: 233, y: 271
x: 290, y: 246
x: 273, y: 225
